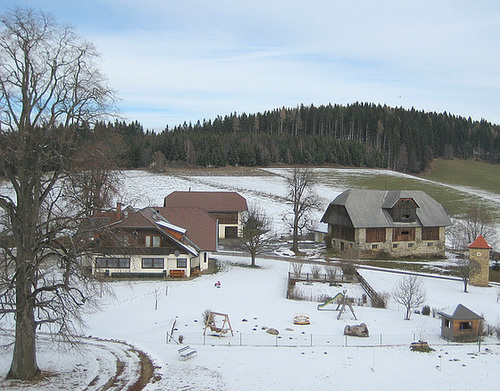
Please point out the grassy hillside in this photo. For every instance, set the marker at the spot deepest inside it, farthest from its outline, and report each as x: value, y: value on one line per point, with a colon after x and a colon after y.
x: 455, y: 201
x: 466, y: 173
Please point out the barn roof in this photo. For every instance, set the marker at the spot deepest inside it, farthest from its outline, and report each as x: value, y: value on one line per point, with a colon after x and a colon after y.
x: 369, y: 208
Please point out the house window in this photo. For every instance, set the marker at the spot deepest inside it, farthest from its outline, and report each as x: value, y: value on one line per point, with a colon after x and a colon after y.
x: 410, y: 244
x: 465, y: 326
x: 152, y: 263
x: 394, y: 245
x: 113, y: 263
x: 374, y: 246
x: 429, y: 244
x: 152, y: 241
x: 447, y: 323
x: 182, y: 262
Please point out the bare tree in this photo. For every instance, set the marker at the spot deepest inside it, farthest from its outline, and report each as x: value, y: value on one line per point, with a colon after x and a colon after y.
x: 410, y: 293
x: 95, y: 177
x: 303, y: 199
x: 159, y: 161
x: 465, y: 269
x: 49, y: 84
x: 256, y: 226
x: 476, y: 221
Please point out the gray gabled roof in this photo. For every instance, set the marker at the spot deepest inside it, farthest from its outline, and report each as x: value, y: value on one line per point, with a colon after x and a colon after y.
x: 461, y: 313
x: 369, y: 208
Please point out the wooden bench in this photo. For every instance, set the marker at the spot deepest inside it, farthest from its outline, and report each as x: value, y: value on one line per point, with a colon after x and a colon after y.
x: 186, y: 352
x: 177, y: 273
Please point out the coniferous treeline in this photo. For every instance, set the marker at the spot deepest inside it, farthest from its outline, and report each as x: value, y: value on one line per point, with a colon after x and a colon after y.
x: 354, y: 135
x: 358, y: 135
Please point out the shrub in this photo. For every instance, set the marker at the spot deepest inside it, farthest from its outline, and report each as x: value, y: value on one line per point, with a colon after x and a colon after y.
x: 331, y: 272
x: 315, y: 270
x: 180, y: 338
x: 297, y: 268
x: 206, y: 315
x: 348, y: 270
x: 426, y: 310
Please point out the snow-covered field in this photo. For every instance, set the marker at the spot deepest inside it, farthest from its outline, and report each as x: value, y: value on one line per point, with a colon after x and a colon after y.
x: 313, y: 357
x: 254, y: 298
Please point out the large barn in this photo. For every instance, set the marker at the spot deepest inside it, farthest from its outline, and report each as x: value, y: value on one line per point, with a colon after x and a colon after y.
x: 399, y: 223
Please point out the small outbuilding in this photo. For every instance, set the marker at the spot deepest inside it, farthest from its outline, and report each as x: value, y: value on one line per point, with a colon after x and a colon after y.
x: 463, y: 325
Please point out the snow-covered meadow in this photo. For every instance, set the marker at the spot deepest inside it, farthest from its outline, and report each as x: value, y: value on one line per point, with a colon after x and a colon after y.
x: 313, y: 356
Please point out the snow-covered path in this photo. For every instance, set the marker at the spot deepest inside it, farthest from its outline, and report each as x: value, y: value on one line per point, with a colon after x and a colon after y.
x: 92, y: 365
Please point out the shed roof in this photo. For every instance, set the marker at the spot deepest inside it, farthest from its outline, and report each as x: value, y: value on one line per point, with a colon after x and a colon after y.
x: 211, y: 201
x: 461, y: 313
x: 369, y: 208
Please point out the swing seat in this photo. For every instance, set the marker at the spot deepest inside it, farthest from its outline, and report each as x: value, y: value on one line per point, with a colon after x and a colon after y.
x: 217, y: 329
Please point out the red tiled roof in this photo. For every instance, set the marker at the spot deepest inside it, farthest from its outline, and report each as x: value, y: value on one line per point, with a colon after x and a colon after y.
x: 211, y: 201
x: 201, y: 227
x: 480, y: 242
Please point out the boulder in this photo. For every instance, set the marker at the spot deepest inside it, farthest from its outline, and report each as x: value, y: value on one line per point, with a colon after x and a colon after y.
x: 272, y: 331
x: 360, y: 330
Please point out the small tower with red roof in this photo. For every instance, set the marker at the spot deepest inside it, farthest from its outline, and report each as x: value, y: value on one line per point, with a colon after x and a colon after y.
x: 479, y: 254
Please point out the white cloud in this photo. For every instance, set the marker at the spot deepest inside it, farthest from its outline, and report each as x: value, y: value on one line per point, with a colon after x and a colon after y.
x: 187, y: 60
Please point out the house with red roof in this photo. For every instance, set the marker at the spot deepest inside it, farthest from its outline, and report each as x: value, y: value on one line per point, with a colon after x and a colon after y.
x: 226, y: 207
x: 155, y: 242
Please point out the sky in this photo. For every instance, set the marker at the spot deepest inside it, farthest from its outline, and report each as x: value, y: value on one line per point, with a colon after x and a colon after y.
x: 171, y: 61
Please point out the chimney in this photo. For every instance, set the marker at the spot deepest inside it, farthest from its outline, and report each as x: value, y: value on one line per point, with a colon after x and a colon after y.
x: 119, y: 210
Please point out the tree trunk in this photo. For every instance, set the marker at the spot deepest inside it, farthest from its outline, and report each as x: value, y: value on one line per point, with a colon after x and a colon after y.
x: 24, y: 365
x: 252, y: 253
x: 295, y: 237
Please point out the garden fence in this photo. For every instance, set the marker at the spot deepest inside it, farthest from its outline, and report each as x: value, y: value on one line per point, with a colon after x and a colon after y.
x: 260, y: 338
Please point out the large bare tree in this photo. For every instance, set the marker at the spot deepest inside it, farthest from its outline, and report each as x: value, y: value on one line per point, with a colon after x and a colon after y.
x: 466, y: 268
x: 255, y: 229
x: 303, y: 199
x: 410, y: 293
x: 49, y: 85
x: 477, y: 221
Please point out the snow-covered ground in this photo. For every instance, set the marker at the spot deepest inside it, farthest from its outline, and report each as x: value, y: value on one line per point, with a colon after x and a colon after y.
x: 317, y: 358
x: 313, y: 356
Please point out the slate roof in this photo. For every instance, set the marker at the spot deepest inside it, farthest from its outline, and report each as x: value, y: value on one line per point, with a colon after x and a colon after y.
x: 211, y: 201
x: 369, y: 208
x: 461, y: 313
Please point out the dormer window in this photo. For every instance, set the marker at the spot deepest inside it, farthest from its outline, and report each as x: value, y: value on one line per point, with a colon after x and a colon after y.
x: 405, y: 210
x: 152, y: 241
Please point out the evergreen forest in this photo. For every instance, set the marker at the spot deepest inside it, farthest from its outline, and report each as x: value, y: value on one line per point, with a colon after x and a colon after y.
x: 359, y: 135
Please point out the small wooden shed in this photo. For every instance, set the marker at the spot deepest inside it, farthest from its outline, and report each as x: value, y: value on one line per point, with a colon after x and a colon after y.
x: 463, y: 325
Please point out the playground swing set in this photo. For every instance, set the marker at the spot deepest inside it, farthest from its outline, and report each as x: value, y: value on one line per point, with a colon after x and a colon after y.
x: 342, y: 300
x: 211, y: 324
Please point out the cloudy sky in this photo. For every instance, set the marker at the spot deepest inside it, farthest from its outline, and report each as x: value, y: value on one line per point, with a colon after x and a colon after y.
x: 172, y: 61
